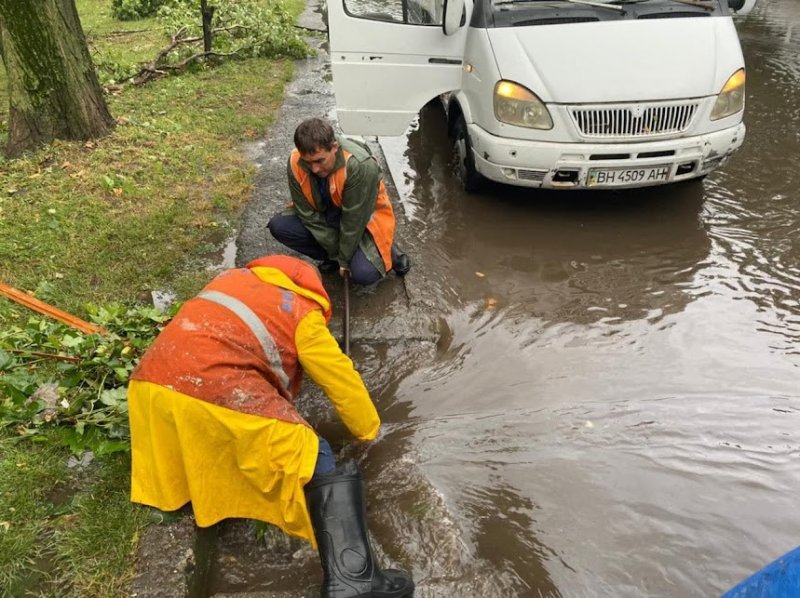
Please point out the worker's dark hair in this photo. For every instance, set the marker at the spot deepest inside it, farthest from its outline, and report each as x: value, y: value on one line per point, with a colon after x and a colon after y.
x: 314, y: 134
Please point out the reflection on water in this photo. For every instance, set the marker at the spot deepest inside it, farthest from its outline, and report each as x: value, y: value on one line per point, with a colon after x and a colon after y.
x: 595, y: 259
x: 613, y: 408
x: 753, y: 209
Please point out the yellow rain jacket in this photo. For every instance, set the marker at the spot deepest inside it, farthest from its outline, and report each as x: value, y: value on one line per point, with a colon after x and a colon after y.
x: 211, y: 402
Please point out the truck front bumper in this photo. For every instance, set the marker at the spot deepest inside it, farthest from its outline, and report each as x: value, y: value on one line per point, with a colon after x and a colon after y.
x: 601, y: 165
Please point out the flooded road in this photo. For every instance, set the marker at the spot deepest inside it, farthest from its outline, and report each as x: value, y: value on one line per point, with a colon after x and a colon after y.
x: 613, y: 410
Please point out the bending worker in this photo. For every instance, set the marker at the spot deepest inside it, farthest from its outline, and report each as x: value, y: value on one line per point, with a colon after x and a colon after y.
x: 340, y: 211
x: 213, y: 422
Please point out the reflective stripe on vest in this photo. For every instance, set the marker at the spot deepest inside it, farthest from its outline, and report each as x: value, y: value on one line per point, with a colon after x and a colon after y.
x: 256, y: 326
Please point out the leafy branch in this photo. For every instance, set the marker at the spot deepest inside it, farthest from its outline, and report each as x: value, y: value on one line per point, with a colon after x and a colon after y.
x: 159, y: 66
x: 52, y: 376
x: 243, y: 29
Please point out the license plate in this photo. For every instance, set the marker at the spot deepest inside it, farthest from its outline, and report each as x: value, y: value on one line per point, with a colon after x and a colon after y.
x: 628, y: 176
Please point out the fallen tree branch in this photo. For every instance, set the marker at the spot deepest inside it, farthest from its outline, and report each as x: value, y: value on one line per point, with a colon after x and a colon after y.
x: 156, y: 68
x: 230, y: 28
x: 124, y: 32
x: 179, y: 65
x: 69, y: 358
x: 177, y: 40
x: 312, y: 29
x: 148, y: 73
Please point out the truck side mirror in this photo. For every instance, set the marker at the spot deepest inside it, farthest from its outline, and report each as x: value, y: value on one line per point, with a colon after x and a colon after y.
x: 453, y: 16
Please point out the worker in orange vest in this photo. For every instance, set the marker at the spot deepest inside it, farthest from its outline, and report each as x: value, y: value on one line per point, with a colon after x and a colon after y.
x: 340, y: 211
x: 213, y: 421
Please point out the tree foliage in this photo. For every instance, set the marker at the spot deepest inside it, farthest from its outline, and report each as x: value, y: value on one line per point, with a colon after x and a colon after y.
x: 246, y: 28
x: 236, y: 30
x: 52, y: 376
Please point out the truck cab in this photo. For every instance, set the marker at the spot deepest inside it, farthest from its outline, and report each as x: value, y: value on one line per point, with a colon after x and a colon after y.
x: 559, y: 94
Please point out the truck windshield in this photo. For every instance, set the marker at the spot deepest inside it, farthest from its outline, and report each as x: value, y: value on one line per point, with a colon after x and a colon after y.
x: 614, y: 4
x: 516, y: 13
x: 707, y: 4
x: 598, y: 3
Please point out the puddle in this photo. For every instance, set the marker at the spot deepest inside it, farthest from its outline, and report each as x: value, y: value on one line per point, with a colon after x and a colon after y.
x: 61, y: 494
x: 81, y: 462
x: 229, y: 254
x: 163, y: 299
x: 255, y: 152
x: 223, y: 258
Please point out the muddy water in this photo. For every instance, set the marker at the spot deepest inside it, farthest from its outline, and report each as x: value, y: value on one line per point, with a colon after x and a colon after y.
x: 614, y: 408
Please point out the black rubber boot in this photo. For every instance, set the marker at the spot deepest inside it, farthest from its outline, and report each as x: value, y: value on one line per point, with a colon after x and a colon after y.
x: 401, y: 263
x: 328, y: 266
x: 338, y: 514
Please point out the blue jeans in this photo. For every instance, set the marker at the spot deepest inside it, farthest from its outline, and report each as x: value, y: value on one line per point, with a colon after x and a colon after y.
x: 290, y: 231
x: 326, y: 464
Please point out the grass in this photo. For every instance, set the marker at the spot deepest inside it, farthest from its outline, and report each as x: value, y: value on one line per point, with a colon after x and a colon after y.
x: 25, y: 474
x: 64, y: 531
x: 136, y: 211
x: 117, y: 46
x: 116, y: 218
x: 144, y: 208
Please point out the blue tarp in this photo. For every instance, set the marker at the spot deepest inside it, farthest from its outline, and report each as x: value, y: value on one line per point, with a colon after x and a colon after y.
x: 779, y: 579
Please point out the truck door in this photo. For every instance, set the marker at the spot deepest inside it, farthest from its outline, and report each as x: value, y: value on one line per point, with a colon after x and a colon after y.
x: 390, y: 57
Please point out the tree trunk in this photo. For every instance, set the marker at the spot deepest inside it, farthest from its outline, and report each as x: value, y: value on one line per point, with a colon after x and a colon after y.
x: 207, y: 13
x: 53, y: 89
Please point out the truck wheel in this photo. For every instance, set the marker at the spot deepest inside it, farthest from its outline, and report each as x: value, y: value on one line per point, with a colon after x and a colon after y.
x: 470, y: 178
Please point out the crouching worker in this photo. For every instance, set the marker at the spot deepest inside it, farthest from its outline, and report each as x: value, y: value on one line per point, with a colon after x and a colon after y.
x: 340, y: 211
x: 213, y: 422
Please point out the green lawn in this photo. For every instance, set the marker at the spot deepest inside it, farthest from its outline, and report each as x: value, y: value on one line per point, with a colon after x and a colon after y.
x: 111, y: 220
x: 64, y: 531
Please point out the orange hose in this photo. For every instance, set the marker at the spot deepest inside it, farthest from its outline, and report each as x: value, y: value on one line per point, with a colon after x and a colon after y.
x: 49, y: 310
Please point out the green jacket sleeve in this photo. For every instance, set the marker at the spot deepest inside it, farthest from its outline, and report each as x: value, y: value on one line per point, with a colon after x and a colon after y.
x: 326, y: 364
x: 359, y: 197
x: 313, y: 220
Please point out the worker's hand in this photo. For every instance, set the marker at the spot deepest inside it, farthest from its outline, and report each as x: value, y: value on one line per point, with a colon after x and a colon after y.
x: 368, y: 443
x: 364, y: 443
x: 344, y: 272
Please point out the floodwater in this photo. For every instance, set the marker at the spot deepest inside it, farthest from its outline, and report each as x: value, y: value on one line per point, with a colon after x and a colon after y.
x: 613, y: 405
x: 614, y: 410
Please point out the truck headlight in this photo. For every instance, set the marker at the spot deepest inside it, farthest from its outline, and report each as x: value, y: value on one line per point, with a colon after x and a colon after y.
x: 731, y: 99
x: 515, y: 105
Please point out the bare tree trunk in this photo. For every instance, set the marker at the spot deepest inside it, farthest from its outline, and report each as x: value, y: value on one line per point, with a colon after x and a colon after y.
x: 208, y: 14
x: 54, y: 92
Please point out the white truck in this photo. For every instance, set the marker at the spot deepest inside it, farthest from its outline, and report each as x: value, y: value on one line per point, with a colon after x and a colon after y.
x: 559, y: 94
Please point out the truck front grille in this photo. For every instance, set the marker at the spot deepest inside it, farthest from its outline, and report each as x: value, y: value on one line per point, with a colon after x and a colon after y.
x: 634, y: 120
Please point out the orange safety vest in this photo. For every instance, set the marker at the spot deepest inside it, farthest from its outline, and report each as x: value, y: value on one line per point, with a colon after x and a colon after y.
x: 381, y: 223
x: 233, y: 345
